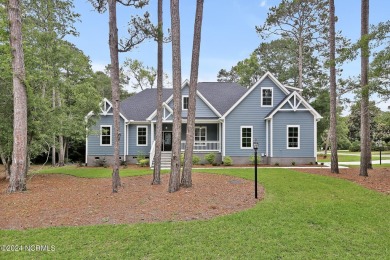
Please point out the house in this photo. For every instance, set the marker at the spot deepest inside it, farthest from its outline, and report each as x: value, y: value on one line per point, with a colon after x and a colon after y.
x: 229, y: 118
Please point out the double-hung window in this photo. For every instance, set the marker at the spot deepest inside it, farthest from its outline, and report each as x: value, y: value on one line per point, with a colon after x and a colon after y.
x: 200, y: 135
x: 185, y: 103
x: 246, y: 137
x: 293, y: 137
x: 266, y: 97
x: 142, y: 135
x: 105, y: 135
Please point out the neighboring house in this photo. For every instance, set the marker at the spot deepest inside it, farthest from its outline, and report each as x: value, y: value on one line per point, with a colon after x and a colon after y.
x: 229, y: 118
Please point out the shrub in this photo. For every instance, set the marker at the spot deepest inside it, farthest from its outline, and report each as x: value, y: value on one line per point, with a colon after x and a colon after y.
x: 355, y: 147
x: 276, y: 164
x: 102, y: 162
x: 195, y: 159
x: 292, y: 163
x: 227, y: 161
x: 252, y: 159
x: 144, y: 162
x: 140, y: 156
x: 210, y: 158
x: 123, y: 163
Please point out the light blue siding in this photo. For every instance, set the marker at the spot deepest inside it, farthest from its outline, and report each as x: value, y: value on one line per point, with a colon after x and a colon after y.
x: 132, y: 136
x: 202, y: 110
x: 250, y: 113
x: 305, y: 120
x: 94, y: 147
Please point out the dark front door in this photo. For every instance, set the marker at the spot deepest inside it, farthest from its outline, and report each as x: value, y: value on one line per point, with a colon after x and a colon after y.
x: 167, y: 141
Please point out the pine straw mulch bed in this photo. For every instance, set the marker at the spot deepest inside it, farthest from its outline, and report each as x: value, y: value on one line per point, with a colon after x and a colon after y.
x: 62, y: 200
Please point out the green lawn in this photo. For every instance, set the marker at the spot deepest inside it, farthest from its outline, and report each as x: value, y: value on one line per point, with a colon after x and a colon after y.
x: 346, y: 156
x: 302, y: 216
x: 96, y: 172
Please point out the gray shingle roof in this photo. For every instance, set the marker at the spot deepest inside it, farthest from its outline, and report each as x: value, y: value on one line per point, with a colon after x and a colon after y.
x: 142, y: 105
x: 221, y: 95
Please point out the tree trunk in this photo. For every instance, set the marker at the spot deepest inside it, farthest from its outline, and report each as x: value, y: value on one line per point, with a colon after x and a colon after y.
x: 300, y: 62
x: 186, y: 180
x: 158, y: 144
x: 364, y: 108
x: 334, y: 168
x: 113, y: 42
x: 174, y: 179
x: 53, y: 150
x: 19, y: 154
x: 326, y: 144
x: 7, y: 164
x: 61, y: 154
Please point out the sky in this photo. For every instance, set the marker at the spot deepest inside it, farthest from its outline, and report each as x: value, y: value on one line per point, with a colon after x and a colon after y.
x: 228, y: 32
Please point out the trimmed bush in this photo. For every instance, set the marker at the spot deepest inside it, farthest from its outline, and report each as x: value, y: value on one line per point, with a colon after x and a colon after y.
x: 144, y: 162
x: 252, y: 159
x: 210, y: 158
x: 227, y: 161
x: 195, y: 159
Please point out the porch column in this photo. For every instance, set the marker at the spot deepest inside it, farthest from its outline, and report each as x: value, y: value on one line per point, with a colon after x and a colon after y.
x: 220, y: 136
x: 151, y: 133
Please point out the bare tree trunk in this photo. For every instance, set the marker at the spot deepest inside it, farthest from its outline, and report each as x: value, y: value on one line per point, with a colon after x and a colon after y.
x: 327, y: 144
x: 334, y: 168
x: 61, y: 154
x: 300, y: 62
x: 174, y: 179
x: 113, y: 42
x: 61, y: 143
x: 158, y: 144
x: 7, y: 164
x: 365, y: 122
x: 186, y: 180
x: 53, y: 149
x: 19, y: 154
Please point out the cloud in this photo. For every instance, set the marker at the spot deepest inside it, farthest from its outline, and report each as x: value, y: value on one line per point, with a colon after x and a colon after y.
x: 263, y: 3
x: 98, y: 66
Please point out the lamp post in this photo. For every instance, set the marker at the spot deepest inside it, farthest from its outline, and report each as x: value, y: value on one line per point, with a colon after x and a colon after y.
x: 380, y: 152
x: 255, y: 147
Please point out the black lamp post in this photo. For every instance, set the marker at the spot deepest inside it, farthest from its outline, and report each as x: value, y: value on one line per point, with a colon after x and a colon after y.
x: 255, y: 147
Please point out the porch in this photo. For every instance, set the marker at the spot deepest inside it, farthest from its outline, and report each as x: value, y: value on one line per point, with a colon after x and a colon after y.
x: 208, y: 138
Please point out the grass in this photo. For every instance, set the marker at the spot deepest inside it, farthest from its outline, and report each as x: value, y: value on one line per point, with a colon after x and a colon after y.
x: 346, y: 158
x: 302, y: 216
x: 96, y: 172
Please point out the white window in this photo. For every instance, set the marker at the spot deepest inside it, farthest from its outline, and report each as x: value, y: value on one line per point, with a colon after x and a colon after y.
x: 266, y: 97
x: 142, y: 136
x: 105, y: 135
x: 185, y: 102
x: 200, y: 135
x: 246, y: 137
x: 293, y: 137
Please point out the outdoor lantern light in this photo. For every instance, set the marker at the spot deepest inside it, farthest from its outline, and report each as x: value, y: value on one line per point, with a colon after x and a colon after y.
x: 119, y: 136
x: 255, y: 147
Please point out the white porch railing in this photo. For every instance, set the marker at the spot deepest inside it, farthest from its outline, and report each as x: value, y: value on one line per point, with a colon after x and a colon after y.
x: 151, y: 154
x: 204, y: 146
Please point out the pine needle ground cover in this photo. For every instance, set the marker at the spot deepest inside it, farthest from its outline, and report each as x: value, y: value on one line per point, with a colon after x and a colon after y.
x: 302, y: 216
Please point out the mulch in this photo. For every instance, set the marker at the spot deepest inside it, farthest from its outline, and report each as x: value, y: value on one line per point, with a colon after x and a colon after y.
x: 62, y: 200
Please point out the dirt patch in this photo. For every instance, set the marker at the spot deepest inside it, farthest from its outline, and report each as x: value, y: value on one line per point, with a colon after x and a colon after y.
x: 378, y: 179
x: 61, y: 200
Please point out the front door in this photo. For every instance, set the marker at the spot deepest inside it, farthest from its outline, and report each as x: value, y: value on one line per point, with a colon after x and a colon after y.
x: 167, y: 141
